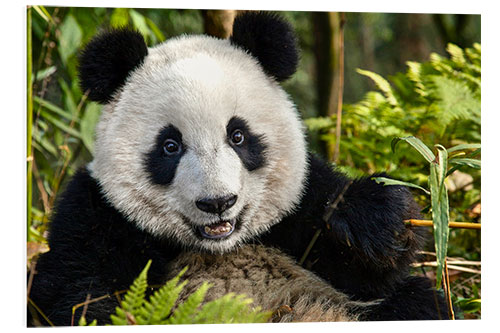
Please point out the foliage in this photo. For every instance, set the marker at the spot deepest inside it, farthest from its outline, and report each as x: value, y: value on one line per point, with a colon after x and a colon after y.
x: 164, y: 307
x: 439, y: 193
x: 436, y: 101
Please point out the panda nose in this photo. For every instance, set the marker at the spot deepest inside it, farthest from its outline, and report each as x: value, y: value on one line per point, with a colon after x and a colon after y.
x: 216, y: 205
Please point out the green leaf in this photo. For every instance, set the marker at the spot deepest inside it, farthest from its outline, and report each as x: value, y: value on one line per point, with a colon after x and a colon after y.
x: 51, y: 107
x: 119, y: 18
x: 319, y: 123
x: 464, y: 147
x: 43, y: 13
x: 88, y: 124
x: 470, y: 162
x: 382, y: 84
x: 140, y: 24
x: 389, y: 181
x: 70, y: 38
x: 417, y: 144
x: 157, y: 32
x: 440, y: 218
x: 469, y: 305
x: 59, y: 124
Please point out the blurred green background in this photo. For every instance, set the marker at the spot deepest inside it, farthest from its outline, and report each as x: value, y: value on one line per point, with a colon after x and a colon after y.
x: 428, y: 85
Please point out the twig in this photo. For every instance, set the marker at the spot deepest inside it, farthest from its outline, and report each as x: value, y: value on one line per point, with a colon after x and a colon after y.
x: 331, y: 207
x: 41, y: 189
x: 40, y: 311
x: 326, y: 217
x: 457, y: 268
x: 309, y: 247
x: 90, y: 301
x: 446, y: 282
x: 428, y: 223
x: 30, y: 278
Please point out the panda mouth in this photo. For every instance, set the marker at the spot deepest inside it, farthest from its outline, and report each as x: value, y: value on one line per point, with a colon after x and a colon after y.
x: 217, y: 230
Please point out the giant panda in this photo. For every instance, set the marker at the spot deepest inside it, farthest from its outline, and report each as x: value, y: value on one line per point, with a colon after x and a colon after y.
x: 201, y: 160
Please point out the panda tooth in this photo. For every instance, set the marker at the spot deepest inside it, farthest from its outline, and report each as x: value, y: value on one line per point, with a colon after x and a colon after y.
x: 208, y: 230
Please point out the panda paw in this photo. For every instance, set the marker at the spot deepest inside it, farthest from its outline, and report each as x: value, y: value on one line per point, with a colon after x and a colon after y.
x: 368, y: 219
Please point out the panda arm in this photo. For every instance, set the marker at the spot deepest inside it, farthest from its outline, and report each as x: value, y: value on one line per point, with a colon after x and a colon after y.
x: 94, y: 251
x: 363, y: 247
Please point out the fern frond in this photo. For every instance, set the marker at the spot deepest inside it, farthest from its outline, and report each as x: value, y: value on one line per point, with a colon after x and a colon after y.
x: 382, y: 84
x: 133, y: 299
x: 238, y: 311
x: 161, y: 303
x: 185, y: 312
x: 456, y: 101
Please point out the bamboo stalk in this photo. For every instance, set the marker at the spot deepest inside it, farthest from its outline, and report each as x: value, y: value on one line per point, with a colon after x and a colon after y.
x: 29, y: 110
x: 428, y: 223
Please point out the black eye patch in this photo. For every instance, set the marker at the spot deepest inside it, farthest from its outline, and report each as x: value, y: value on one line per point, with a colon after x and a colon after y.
x: 160, y: 163
x: 252, y: 149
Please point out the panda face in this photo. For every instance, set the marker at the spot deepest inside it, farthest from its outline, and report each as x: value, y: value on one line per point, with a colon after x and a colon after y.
x: 201, y: 146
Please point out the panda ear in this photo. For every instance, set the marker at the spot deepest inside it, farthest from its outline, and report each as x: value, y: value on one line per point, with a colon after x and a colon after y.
x: 270, y: 39
x: 107, y: 60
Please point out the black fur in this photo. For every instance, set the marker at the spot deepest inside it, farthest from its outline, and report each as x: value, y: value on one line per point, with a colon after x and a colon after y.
x: 252, y: 151
x: 364, y: 249
x: 107, y: 61
x: 270, y: 39
x: 93, y: 250
x: 160, y: 166
x: 96, y: 251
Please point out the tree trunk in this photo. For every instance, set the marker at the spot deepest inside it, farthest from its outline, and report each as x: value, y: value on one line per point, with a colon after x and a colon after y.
x: 219, y: 23
x: 327, y: 50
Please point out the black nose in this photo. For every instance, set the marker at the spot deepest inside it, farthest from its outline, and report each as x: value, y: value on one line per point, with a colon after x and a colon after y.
x: 216, y: 205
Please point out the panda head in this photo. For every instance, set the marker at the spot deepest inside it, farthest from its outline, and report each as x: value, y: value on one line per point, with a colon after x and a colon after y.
x: 197, y: 142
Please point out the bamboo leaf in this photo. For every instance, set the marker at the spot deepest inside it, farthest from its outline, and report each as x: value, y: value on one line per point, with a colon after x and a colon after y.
x: 70, y: 38
x: 119, y: 17
x: 88, y: 124
x: 464, y: 147
x: 140, y: 23
x: 440, y: 218
x: 43, y: 13
x: 157, y: 32
x: 59, y: 124
x: 417, y: 144
x: 470, y: 162
x: 389, y: 181
x: 54, y: 108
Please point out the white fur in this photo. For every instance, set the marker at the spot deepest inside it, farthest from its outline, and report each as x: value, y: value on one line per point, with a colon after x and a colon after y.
x: 197, y: 84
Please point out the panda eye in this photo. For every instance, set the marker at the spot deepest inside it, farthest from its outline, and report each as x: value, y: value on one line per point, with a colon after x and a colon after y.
x: 237, y: 137
x: 171, y: 147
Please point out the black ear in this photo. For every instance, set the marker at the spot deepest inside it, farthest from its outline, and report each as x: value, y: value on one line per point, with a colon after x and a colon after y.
x: 270, y: 39
x: 107, y: 60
